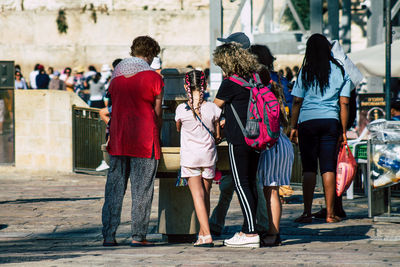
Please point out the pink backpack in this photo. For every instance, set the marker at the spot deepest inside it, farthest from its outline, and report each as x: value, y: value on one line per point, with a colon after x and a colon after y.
x: 262, y: 126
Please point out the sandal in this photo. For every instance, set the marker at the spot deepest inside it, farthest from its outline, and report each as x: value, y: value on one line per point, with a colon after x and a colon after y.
x: 333, y: 219
x: 143, y: 243
x: 322, y: 214
x: 201, y: 242
x: 304, y: 218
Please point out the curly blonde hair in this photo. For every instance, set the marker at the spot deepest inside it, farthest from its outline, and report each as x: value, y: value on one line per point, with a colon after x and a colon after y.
x: 233, y: 59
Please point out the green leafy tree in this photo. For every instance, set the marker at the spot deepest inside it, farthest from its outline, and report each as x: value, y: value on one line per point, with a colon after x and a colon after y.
x: 62, y: 22
x: 303, y: 10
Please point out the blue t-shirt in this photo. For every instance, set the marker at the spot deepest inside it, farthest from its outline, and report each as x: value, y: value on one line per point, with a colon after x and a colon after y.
x: 317, y: 106
x: 286, y: 91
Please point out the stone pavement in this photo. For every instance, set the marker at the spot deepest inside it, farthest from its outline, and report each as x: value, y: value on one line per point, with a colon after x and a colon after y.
x: 53, y: 219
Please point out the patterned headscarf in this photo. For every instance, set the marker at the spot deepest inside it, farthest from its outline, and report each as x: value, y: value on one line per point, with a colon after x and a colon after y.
x: 130, y: 66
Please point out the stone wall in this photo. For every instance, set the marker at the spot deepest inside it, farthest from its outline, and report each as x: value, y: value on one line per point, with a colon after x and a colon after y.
x: 106, y: 5
x: 43, y: 129
x: 183, y: 37
x: 29, y: 33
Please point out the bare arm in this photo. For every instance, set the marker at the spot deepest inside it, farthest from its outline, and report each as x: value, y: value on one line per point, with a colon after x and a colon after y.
x: 297, y: 102
x: 344, y: 114
x: 178, y: 126
x: 217, y: 132
x: 220, y: 103
x: 158, y: 110
x: 104, y: 115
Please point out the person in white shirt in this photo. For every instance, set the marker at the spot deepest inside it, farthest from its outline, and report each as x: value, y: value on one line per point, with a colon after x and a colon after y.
x: 32, y: 76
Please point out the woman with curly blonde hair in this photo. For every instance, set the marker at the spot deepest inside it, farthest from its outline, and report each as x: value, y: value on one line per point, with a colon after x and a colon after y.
x: 233, y: 59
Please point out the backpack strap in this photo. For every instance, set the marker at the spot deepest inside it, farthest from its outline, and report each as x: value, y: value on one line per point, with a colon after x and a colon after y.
x: 238, y: 120
x: 197, y: 116
x: 242, y: 82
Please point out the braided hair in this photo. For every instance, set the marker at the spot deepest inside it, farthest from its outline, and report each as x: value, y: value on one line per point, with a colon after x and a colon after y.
x: 195, y: 81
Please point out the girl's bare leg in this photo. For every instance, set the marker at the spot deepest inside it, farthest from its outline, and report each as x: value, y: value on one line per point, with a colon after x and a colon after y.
x: 207, y: 188
x: 198, y: 194
x: 274, y: 208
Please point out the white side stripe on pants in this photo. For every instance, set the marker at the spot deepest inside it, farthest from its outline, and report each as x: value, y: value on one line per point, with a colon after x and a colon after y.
x: 241, y: 194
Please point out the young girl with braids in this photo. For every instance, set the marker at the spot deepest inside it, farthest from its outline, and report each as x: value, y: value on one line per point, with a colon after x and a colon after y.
x: 198, y: 122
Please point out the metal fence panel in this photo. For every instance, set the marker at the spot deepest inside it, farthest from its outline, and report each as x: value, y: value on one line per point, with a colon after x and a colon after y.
x: 88, y: 136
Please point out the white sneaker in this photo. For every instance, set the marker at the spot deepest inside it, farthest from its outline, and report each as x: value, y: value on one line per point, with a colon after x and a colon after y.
x: 383, y: 180
x: 102, y: 167
x: 240, y: 240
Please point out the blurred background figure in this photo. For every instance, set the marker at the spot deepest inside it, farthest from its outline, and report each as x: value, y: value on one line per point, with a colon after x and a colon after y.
x: 80, y: 84
x: 156, y: 65
x: 17, y: 67
x: 50, y: 72
x: 105, y: 73
x: 56, y: 83
x: 68, y: 79
x: 20, y: 81
x: 32, y: 76
x: 106, y: 98
x: 116, y: 62
x: 90, y: 73
x: 42, y: 79
x: 289, y: 74
x: 395, y: 110
x: 97, y: 91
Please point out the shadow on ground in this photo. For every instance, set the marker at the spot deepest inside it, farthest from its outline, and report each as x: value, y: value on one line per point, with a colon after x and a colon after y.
x: 326, y: 234
x: 36, y: 200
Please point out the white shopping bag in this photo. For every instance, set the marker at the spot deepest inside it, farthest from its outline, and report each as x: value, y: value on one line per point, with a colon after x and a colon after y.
x: 349, y: 67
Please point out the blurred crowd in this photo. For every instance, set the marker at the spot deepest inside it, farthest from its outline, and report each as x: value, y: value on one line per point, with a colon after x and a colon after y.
x: 90, y: 84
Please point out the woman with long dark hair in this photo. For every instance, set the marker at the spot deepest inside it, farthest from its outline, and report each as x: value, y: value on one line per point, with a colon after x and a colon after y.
x: 275, y: 164
x: 319, y: 117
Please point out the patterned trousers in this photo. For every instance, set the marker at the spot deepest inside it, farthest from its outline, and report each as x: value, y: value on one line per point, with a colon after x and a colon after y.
x: 141, y: 172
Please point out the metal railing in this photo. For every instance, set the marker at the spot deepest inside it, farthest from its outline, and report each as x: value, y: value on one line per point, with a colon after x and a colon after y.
x: 88, y: 133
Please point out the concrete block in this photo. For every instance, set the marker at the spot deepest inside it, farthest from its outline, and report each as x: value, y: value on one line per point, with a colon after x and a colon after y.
x: 23, y: 160
x: 60, y: 146
x: 58, y: 101
x: 40, y: 160
x: 60, y: 162
x: 35, y: 128
x: 39, y: 144
x: 60, y: 130
x: 63, y: 114
x: 22, y: 127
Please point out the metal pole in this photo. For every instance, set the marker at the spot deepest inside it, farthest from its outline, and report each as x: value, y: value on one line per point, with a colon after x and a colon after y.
x: 346, y: 24
x: 316, y: 16
x: 237, y: 15
x: 333, y: 19
x: 388, y: 42
x: 246, y: 19
x: 296, y: 16
x: 216, y: 13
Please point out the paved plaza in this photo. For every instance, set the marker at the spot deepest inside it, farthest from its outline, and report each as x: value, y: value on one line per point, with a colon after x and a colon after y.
x: 52, y: 219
